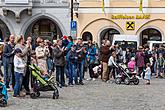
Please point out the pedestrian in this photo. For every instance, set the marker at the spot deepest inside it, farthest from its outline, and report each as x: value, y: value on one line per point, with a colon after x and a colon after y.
x: 161, y: 62
x: 25, y: 48
x: 81, y: 51
x: 59, y: 60
x: 91, y: 53
x: 67, y: 49
x: 19, y: 68
x: 112, y: 66
x: 148, y: 74
x: 140, y: 60
x: 104, y: 57
x: 73, y: 66
x: 41, y: 55
x: 8, y: 56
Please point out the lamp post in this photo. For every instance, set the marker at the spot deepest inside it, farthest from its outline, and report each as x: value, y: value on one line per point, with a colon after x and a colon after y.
x: 76, y: 6
x: 71, y: 10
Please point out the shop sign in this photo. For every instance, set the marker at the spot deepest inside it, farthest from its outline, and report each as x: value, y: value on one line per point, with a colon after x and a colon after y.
x: 130, y: 25
x: 125, y: 16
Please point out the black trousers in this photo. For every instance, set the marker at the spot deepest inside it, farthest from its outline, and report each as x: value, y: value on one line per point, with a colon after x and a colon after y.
x: 26, y: 78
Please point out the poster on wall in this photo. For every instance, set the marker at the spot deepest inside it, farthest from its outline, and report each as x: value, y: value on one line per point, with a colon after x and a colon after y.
x: 17, y: 1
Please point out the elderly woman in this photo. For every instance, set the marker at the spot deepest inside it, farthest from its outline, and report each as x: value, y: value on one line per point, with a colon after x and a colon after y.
x: 25, y: 48
x: 42, y: 52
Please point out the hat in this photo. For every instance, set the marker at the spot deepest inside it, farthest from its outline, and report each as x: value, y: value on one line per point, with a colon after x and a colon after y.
x: 132, y: 59
x: 18, y: 50
x: 65, y: 37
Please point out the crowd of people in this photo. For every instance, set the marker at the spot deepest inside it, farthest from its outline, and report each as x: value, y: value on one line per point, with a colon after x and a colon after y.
x: 72, y: 60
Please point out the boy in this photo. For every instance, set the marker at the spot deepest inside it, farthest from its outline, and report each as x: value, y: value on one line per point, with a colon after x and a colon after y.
x: 19, y: 68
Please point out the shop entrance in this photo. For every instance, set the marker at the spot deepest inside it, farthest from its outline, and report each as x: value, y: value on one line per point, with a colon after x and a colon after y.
x: 44, y: 28
x: 150, y: 34
x: 108, y: 33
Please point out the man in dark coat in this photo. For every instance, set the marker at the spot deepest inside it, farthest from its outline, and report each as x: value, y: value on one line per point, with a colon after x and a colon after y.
x: 59, y: 59
x: 105, y: 54
x: 8, y: 56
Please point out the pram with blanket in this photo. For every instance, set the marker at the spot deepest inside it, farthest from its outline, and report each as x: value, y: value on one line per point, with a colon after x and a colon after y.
x: 39, y: 83
x: 3, y: 95
x: 126, y: 76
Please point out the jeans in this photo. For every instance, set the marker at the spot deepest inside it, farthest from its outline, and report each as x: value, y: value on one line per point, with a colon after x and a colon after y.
x: 26, y: 79
x: 80, y: 67
x: 72, y: 73
x: 18, y: 83
x: 60, y: 75
x: 50, y: 64
x: 8, y: 74
x: 67, y: 69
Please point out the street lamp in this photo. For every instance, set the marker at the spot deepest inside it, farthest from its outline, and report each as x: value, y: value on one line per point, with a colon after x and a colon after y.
x: 76, y: 6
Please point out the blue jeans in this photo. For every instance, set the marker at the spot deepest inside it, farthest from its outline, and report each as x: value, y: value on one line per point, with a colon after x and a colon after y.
x: 60, y: 75
x: 18, y: 83
x: 7, y: 73
x: 50, y: 64
x: 72, y: 73
x: 67, y: 69
x: 80, y: 67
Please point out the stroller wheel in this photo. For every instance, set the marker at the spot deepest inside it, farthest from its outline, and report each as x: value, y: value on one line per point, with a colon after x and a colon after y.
x: 56, y: 94
x: 136, y: 81
x: 118, y: 80
x: 37, y: 93
x: 33, y: 95
x: 127, y: 81
x: 3, y: 103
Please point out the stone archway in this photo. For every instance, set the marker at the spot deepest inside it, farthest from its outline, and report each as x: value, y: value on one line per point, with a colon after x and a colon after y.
x: 37, y: 17
x: 150, y: 34
x: 4, y: 31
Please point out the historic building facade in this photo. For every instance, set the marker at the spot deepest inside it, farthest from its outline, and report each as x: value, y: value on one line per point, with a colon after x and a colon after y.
x: 45, y: 18
x: 121, y: 17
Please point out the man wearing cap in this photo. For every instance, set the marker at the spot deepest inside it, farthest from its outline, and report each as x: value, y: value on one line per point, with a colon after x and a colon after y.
x: 8, y: 56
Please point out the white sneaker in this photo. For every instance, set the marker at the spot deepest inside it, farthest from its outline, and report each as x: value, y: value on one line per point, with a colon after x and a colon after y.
x: 93, y: 79
x: 89, y: 79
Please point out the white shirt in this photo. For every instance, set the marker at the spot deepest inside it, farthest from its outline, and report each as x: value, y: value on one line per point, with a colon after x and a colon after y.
x: 19, y: 66
x: 111, y: 61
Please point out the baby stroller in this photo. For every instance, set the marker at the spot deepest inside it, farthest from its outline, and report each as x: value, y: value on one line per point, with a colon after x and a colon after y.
x: 126, y: 76
x: 3, y: 95
x: 40, y: 83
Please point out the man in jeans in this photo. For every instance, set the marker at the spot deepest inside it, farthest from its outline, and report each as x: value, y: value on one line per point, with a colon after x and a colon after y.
x: 8, y: 56
x: 81, y: 51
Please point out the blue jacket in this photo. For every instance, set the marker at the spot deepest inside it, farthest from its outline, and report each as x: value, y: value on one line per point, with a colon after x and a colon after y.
x: 68, y: 48
x: 92, y: 53
x: 4, y: 91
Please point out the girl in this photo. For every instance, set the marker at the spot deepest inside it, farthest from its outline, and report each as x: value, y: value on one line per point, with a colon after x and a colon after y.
x: 147, y: 74
x: 19, y: 68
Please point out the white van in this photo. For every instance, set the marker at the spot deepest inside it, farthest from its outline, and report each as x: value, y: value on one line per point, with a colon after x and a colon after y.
x: 126, y: 41
x: 155, y: 43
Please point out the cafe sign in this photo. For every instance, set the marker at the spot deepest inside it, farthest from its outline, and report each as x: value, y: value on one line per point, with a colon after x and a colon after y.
x: 125, y: 16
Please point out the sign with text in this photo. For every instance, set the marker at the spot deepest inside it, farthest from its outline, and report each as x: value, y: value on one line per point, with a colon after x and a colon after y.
x: 126, y: 16
x: 73, y: 26
x: 17, y: 1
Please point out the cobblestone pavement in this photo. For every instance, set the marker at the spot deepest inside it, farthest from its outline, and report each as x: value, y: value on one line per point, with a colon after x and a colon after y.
x: 96, y: 95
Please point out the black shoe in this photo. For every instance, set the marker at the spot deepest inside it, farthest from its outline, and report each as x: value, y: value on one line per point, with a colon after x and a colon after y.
x: 81, y: 83
x: 27, y: 93
x: 76, y: 83
x: 64, y: 85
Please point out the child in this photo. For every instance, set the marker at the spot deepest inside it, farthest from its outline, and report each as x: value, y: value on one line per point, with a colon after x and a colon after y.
x: 147, y: 76
x: 19, y: 70
x: 132, y: 64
